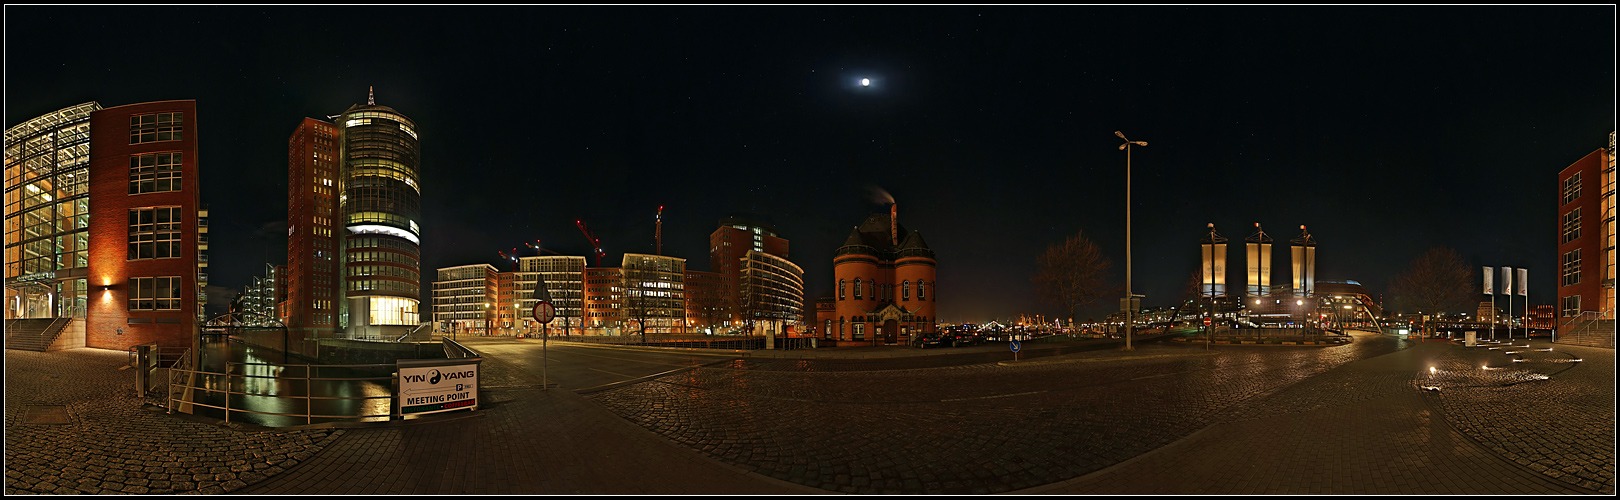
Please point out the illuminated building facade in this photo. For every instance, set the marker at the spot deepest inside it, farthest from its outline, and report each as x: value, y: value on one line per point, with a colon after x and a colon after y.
x: 564, y: 276
x: 604, y: 300
x: 145, y: 224
x: 706, y: 303
x: 771, y: 294
x: 1586, y: 244
x: 262, y: 298
x: 379, y: 202
x: 312, y: 287
x: 47, y: 232
x: 654, y: 293
x: 728, y: 246
x: 464, y: 299
x: 885, y: 288
x: 104, y: 226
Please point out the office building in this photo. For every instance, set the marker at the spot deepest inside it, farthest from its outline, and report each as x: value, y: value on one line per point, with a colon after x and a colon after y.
x: 654, y: 293
x: 729, y: 244
x: 104, y: 226
x: 380, y: 201
x: 564, y: 276
x: 312, y: 291
x: 1586, y: 242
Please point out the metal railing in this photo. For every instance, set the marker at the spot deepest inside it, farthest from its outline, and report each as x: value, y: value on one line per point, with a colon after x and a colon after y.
x: 308, y: 375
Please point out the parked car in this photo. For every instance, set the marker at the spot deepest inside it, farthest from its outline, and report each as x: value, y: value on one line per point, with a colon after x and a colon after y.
x: 966, y: 338
x: 929, y: 340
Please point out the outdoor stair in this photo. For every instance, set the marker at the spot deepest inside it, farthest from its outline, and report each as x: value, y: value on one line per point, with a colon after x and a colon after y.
x: 1590, y: 333
x: 34, y: 334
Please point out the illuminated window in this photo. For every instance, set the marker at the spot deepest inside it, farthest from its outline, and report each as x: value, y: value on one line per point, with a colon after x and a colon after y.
x: 154, y: 233
x: 155, y: 127
x: 1572, y: 225
x: 154, y: 173
x: 1572, y: 267
x: 1572, y: 188
x: 154, y: 294
x: 860, y: 331
x: 1571, y: 305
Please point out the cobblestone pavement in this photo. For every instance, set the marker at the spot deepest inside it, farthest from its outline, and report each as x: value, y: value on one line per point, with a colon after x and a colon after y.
x: 114, y: 443
x: 1364, y: 428
x: 522, y: 440
x: 983, y: 428
x: 1561, y: 426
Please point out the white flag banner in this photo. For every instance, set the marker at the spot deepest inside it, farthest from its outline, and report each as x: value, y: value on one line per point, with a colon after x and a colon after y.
x: 1524, y: 278
x: 1488, y: 273
x: 1507, y: 281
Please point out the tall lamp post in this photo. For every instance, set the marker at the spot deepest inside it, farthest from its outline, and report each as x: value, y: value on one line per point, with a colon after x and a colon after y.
x: 1129, y: 297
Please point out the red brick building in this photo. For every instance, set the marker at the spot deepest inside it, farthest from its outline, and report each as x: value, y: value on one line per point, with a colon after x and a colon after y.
x: 1586, y: 244
x: 885, y: 287
x: 728, y: 246
x: 312, y: 247
x: 143, y: 226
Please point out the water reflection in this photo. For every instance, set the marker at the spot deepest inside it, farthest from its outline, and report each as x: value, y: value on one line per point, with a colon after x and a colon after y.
x: 268, y: 388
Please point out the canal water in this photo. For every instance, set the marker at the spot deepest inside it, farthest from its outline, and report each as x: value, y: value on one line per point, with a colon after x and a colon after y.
x: 270, y: 388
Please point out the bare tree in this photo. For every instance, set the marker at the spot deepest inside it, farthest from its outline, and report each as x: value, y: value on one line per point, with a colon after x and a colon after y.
x: 1437, y: 281
x: 1072, y: 274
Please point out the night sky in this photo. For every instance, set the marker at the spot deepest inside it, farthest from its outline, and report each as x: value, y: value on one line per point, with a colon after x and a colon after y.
x: 1385, y: 130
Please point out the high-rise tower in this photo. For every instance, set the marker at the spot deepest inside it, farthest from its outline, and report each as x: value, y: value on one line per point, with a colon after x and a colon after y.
x: 312, y: 244
x: 379, y: 202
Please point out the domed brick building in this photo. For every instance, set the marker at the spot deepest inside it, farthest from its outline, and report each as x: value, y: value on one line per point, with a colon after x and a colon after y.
x: 884, y: 290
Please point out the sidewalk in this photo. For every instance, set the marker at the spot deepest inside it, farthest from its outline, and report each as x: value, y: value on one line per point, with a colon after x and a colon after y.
x: 1388, y: 436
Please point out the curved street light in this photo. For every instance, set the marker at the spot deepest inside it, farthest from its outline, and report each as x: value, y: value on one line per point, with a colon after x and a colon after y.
x: 1129, y: 320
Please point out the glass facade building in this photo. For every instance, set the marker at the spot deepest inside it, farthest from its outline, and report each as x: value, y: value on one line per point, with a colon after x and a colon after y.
x: 47, y: 215
x: 379, y: 198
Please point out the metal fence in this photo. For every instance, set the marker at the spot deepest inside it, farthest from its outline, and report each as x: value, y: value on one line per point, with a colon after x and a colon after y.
x: 729, y: 342
x: 186, y: 384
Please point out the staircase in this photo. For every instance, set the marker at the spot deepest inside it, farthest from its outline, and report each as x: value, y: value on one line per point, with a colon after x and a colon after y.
x: 1589, y: 331
x: 34, y: 334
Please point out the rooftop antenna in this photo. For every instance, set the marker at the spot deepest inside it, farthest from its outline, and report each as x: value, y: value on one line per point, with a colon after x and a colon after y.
x: 370, y: 101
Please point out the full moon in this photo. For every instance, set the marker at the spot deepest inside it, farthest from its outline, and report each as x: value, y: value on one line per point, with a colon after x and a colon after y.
x: 866, y: 82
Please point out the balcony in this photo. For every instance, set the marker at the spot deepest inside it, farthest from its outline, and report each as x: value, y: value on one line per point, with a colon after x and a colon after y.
x: 202, y: 243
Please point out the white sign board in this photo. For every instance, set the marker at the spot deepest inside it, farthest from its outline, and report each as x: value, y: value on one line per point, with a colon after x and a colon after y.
x: 437, y: 385
x: 1469, y: 338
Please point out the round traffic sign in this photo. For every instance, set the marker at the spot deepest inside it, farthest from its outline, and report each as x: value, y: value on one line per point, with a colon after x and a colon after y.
x: 1208, y: 321
x: 544, y: 312
x: 1015, y: 346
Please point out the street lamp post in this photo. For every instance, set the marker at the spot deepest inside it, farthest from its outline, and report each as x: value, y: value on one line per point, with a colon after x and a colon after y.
x: 1129, y: 303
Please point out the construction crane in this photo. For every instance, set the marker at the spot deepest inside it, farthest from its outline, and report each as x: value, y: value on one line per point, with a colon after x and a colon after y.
x: 540, y: 249
x: 658, y: 235
x: 595, y: 243
x: 510, y: 256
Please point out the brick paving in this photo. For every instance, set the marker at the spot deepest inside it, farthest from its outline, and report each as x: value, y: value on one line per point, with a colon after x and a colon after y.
x: 1561, y: 427
x: 116, y: 443
x: 1165, y: 419
x: 987, y: 428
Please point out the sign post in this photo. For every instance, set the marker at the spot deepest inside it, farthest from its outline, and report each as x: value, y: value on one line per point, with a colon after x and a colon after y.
x: 543, y: 314
x: 1015, y: 348
x: 436, y: 385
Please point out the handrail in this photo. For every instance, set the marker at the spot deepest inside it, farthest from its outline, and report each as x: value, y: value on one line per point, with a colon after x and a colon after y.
x: 308, y: 414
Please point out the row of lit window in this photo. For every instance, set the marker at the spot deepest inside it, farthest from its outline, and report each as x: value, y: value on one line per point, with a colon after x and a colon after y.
x: 155, y: 127
x: 1572, y: 267
x: 365, y: 285
x: 154, y: 294
x: 154, y: 233
x: 357, y: 271
x: 154, y: 173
